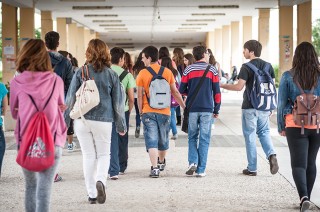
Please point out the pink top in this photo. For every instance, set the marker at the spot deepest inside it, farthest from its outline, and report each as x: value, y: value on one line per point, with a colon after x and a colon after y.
x: 38, y: 85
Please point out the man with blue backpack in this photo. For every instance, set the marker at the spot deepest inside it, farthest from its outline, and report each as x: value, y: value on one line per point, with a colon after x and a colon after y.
x: 259, y: 99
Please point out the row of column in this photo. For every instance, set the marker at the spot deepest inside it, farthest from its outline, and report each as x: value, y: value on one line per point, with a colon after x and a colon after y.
x: 225, y: 41
x: 73, y: 39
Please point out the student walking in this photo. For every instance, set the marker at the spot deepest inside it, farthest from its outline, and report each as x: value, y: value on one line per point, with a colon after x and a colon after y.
x: 3, y: 109
x: 254, y: 121
x: 200, y: 82
x: 304, y: 147
x: 95, y: 134
x: 30, y: 89
x: 156, y: 121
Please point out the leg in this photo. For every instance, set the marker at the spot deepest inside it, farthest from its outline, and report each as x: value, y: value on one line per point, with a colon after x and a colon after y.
x: 173, y: 123
x: 89, y: 156
x: 298, y: 146
x: 123, y: 147
x: 204, y: 140
x: 193, y: 134
x: 44, y: 183
x: 114, y: 159
x: 31, y: 190
x: 249, y: 125
x: 138, y: 120
x: 178, y: 114
x: 263, y: 132
x: 2, y: 147
x: 163, y: 130
x: 314, y: 144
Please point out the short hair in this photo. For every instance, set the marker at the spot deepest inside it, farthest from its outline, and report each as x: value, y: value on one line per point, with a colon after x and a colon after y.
x: 98, y: 55
x: 253, y: 46
x: 198, y: 52
x: 52, y: 40
x: 116, y: 54
x: 151, y: 51
x: 33, y: 56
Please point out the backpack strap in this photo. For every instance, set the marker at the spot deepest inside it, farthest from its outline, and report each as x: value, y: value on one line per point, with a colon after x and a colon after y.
x: 298, y: 84
x: 256, y: 70
x: 123, y: 75
x: 193, y: 97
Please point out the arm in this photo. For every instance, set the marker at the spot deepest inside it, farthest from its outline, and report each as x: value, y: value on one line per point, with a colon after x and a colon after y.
x: 140, y: 98
x: 14, y: 102
x: 216, y: 96
x: 236, y: 87
x: 69, y: 75
x: 130, y: 93
x: 283, y: 96
x: 177, y: 96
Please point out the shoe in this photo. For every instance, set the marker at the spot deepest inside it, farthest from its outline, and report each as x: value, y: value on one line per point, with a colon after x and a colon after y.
x: 178, y: 121
x: 162, y: 165
x: 249, y: 173
x: 92, y: 200
x: 137, y: 132
x: 274, y: 167
x: 201, y: 174
x: 70, y: 147
x: 212, y: 126
x: 154, y: 173
x: 192, y: 168
x: 305, y: 204
x: 57, y: 178
x: 122, y: 173
x: 114, y: 177
x: 101, y: 198
x: 174, y: 137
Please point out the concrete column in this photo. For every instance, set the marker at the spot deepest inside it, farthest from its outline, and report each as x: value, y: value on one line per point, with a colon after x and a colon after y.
x: 263, y: 35
x: 26, y: 25
x: 226, y: 49
x: 46, y: 23
x: 62, y: 30
x: 87, y: 38
x: 217, y: 51
x: 9, y: 52
x: 210, y: 40
x: 304, y: 22
x: 80, y: 45
x: 285, y: 38
x: 247, y: 28
x: 72, y: 42
x: 236, y: 55
x: 97, y: 35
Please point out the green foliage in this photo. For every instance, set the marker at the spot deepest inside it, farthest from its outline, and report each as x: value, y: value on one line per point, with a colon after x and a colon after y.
x: 37, y: 33
x: 316, y: 36
x: 276, y: 73
x: 0, y: 41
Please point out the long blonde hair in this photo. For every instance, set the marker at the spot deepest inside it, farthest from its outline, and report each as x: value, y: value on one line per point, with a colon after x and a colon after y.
x: 98, y: 54
x: 33, y: 56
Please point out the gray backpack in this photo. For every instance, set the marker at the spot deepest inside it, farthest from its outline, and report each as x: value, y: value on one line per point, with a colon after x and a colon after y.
x: 159, y: 90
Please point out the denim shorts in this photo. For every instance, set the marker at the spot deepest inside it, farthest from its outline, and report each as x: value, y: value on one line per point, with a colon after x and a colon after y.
x: 156, y: 129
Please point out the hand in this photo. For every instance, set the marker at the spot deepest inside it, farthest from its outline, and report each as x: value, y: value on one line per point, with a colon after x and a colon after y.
x: 63, y: 107
x: 283, y: 133
x: 122, y: 133
x: 271, y: 113
x: 215, y: 115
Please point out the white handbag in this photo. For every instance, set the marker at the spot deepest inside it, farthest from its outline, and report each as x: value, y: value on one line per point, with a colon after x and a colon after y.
x: 87, y: 96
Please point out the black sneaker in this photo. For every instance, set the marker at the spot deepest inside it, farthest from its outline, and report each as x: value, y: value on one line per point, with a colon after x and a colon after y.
x: 101, y: 192
x: 274, y: 167
x: 305, y: 205
x: 154, y: 173
x: 249, y: 173
x: 92, y: 200
x: 161, y: 165
x: 137, y: 132
x: 191, y: 169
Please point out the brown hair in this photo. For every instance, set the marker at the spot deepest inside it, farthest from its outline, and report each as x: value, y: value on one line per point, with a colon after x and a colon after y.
x: 33, y: 56
x: 190, y: 58
x: 98, y: 55
x: 178, y: 56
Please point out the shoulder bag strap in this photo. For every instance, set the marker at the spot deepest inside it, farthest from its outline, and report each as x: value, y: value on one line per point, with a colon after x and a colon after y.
x: 198, y: 87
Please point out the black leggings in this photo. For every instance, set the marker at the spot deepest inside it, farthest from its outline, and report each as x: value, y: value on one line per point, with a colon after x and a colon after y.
x: 303, y: 154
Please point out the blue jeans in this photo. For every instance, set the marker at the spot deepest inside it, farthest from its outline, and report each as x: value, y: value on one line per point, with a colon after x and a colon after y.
x: 256, y: 122
x: 138, y: 118
x: 199, y: 123
x: 2, y: 147
x: 156, y: 129
x: 173, y: 121
x: 114, y: 157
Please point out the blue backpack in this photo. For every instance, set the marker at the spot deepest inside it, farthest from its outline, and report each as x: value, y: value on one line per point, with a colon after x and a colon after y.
x: 263, y: 95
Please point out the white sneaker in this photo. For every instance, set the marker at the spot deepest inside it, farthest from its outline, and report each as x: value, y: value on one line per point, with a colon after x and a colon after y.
x: 192, y: 168
x: 201, y: 174
x: 70, y: 147
x: 212, y: 126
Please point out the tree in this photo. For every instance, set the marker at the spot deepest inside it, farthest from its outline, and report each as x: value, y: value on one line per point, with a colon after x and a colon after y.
x: 37, y: 33
x: 316, y: 36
